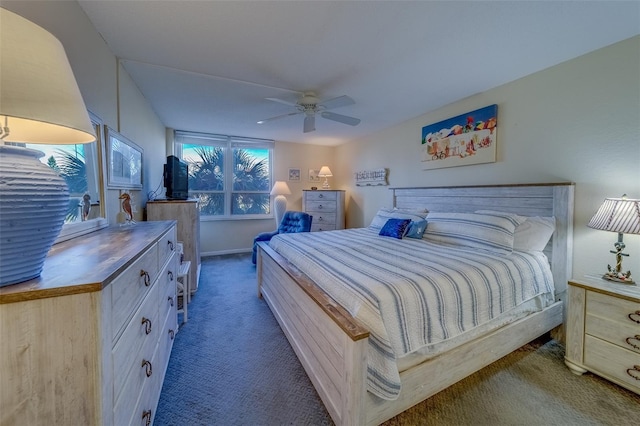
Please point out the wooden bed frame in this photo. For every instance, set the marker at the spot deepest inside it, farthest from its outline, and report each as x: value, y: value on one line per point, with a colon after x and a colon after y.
x: 332, y: 345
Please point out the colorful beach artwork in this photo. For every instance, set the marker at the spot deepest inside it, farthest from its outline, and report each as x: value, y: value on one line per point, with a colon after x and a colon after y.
x: 462, y: 140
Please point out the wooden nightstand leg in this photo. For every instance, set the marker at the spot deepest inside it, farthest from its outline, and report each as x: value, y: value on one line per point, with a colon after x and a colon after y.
x: 575, y: 369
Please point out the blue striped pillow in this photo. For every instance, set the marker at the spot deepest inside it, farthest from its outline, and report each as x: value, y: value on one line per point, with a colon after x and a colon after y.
x: 486, y: 232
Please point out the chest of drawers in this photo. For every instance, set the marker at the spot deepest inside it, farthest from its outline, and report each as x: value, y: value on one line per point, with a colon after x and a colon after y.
x: 603, y: 330
x: 326, y: 207
x: 89, y: 341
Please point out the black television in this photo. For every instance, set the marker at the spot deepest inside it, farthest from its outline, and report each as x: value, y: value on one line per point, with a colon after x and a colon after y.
x: 176, y: 179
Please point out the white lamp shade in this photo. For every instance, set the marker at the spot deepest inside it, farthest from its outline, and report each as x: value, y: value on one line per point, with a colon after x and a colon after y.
x: 620, y: 215
x: 325, y: 172
x: 280, y: 188
x: 40, y: 98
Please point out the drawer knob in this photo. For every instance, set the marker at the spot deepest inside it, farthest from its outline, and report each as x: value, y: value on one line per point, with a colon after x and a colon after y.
x: 635, y: 316
x: 320, y: 196
x: 172, y: 334
x: 146, y: 417
x: 320, y: 219
x: 319, y: 206
x: 147, y: 277
x: 634, y: 372
x: 170, y: 243
x: 170, y: 275
x: 147, y: 325
x: 170, y: 300
x: 633, y: 345
x: 148, y: 367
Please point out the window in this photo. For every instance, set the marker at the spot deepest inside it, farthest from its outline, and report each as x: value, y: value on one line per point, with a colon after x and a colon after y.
x: 230, y: 175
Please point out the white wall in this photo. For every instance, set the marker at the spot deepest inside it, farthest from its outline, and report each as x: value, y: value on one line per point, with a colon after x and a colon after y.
x: 578, y: 121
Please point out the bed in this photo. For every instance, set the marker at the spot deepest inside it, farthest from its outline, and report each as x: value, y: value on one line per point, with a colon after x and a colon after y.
x: 334, y: 346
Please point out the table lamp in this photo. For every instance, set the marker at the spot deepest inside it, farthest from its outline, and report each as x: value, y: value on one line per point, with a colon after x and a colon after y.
x: 280, y: 189
x: 40, y: 102
x: 325, y: 172
x: 621, y: 215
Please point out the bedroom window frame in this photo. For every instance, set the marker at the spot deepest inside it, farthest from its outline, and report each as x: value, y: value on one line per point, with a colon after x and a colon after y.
x: 228, y: 143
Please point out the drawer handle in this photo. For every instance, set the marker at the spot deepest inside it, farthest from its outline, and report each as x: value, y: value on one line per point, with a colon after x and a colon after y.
x: 636, y: 314
x: 170, y: 243
x: 146, y: 417
x: 170, y: 274
x: 634, y: 372
x: 172, y: 334
x: 319, y: 206
x: 629, y: 339
x: 147, y: 278
x: 170, y: 300
x: 320, y: 219
x: 148, y: 367
x: 147, y: 325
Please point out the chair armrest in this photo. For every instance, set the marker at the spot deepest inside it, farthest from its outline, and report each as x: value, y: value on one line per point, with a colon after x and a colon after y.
x: 265, y: 236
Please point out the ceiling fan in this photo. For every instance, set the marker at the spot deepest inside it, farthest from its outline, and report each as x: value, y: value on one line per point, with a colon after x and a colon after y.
x: 310, y: 105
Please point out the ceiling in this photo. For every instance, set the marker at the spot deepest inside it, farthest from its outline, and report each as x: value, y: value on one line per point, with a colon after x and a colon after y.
x: 208, y: 66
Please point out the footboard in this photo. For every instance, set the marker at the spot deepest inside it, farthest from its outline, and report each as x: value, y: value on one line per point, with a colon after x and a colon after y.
x: 330, y: 344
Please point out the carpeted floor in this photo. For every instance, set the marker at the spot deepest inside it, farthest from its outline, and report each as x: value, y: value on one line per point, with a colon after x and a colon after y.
x: 232, y: 365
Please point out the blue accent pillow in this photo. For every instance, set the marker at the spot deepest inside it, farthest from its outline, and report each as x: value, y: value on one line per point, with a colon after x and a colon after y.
x: 416, y: 229
x: 395, y: 228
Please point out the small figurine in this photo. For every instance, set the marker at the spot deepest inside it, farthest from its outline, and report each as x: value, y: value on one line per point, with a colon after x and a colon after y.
x: 86, y: 206
x: 126, y: 206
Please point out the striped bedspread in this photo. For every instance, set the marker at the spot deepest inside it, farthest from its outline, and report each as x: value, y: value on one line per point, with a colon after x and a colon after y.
x: 411, y: 293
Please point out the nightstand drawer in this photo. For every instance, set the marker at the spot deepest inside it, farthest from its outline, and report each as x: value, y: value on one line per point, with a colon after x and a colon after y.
x: 610, y: 319
x: 617, y: 364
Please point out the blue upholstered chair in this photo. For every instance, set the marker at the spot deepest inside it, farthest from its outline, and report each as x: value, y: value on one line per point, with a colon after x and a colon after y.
x: 291, y: 222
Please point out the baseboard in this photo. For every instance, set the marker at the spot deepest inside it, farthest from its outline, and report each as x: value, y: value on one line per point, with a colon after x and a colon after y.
x: 222, y: 252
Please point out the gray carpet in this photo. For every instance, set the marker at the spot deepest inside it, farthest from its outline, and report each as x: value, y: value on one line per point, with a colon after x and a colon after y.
x: 231, y: 365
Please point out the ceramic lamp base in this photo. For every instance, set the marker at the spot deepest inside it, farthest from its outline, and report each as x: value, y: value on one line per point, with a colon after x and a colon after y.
x: 279, y: 207
x: 33, y: 204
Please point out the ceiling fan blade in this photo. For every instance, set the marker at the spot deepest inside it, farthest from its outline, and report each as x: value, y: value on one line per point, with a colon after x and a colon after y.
x: 278, y: 117
x: 338, y: 102
x: 282, y: 101
x: 309, y: 123
x: 345, y: 119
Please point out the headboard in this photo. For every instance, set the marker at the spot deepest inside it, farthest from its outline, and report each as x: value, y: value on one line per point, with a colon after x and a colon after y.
x: 545, y: 199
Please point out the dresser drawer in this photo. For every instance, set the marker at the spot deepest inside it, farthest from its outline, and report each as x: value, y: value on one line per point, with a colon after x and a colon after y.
x: 137, y: 341
x: 613, y: 362
x: 166, y: 246
x: 316, y: 207
x: 324, y: 218
x: 128, y: 290
x: 322, y: 227
x: 321, y: 196
x: 611, y: 319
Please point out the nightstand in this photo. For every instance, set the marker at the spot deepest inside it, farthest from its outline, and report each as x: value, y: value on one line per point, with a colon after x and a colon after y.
x: 326, y: 207
x: 603, y: 330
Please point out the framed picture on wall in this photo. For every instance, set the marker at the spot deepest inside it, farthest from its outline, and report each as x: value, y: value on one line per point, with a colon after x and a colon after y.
x: 313, y: 175
x: 124, y: 161
x: 294, y: 174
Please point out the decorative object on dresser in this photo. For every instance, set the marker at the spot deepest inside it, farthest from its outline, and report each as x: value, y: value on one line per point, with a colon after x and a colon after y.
x: 603, y: 330
x: 621, y: 215
x: 280, y: 190
x: 89, y: 341
x: 39, y: 103
x: 187, y: 214
x: 325, y: 172
x: 326, y: 207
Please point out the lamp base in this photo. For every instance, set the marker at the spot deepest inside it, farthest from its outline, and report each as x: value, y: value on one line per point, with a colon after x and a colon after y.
x: 619, y: 277
x: 325, y: 185
x: 33, y: 204
x: 279, y: 207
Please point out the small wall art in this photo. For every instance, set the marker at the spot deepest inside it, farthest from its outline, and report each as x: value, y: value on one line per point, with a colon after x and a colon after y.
x: 374, y: 177
x: 124, y: 161
x: 294, y: 174
x: 313, y: 175
x: 462, y: 140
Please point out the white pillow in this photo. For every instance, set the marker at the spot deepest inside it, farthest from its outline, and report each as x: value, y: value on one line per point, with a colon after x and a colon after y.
x: 532, y: 234
x: 385, y: 214
x: 486, y: 232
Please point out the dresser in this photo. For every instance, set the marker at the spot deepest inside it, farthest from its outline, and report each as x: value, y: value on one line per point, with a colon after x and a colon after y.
x: 326, y: 207
x: 187, y: 214
x: 603, y: 330
x: 88, y: 342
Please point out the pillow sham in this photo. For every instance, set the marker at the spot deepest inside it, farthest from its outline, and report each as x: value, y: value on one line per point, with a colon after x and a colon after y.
x: 416, y: 229
x: 385, y: 214
x: 487, y: 232
x: 395, y: 228
x: 532, y: 233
